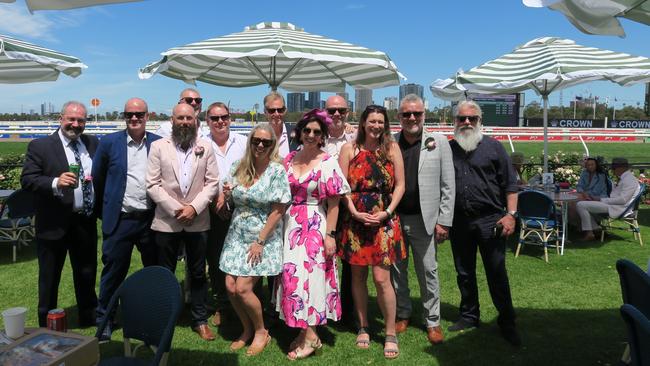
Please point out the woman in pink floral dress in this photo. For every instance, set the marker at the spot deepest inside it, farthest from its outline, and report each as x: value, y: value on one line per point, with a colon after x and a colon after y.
x: 308, y: 293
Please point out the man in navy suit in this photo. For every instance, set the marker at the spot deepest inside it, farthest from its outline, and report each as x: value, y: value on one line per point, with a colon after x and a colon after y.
x: 119, y: 170
x: 64, y: 201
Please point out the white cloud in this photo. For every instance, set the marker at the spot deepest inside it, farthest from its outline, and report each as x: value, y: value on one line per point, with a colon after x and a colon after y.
x: 18, y: 21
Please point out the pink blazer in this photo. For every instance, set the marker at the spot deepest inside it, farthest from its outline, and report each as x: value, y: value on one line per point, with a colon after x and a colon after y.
x: 163, y: 186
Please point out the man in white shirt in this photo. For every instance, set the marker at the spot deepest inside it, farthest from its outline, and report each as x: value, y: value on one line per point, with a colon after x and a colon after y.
x: 228, y: 148
x: 192, y: 97
x: 619, y: 199
x: 337, y: 109
x: 274, y: 111
x: 65, y: 218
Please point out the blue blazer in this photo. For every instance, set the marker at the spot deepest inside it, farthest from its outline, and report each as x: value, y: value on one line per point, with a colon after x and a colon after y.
x: 109, y: 176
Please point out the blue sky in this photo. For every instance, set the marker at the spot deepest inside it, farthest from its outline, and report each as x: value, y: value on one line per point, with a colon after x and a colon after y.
x: 426, y: 39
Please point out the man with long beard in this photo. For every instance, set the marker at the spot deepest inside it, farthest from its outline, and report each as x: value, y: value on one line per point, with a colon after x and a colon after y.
x: 484, y: 216
x: 182, y: 179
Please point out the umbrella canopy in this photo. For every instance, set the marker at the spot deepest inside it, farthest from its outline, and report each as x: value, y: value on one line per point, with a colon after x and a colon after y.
x: 280, y: 55
x: 598, y: 16
x: 65, y: 4
x: 545, y: 65
x: 23, y: 62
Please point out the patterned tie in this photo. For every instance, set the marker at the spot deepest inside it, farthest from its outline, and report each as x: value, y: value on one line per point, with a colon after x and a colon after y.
x: 85, y: 185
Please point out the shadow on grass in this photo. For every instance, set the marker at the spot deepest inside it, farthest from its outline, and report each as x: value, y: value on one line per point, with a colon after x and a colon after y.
x: 549, y: 336
x: 177, y: 356
x: 23, y: 253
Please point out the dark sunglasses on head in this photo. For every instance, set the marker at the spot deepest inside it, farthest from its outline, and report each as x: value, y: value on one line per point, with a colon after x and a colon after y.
x: 273, y: 110
x: 341, y: 111
x: 255, y: 141
x: 472, y: 119
x: 308, y: 130
x: 189, y: 100
x: 417, y: 114
x: 224, y: 117
x: 138, y: 115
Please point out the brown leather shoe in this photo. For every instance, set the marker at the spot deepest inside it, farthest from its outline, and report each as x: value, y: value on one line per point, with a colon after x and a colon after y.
x: 204, y: 332
x: 216, y: 319
x: 401, y: 325
x: 434, y: 335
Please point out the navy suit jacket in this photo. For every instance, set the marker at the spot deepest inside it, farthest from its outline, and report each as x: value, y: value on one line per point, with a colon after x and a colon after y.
x: 109, y: 176
x: 44, y: 161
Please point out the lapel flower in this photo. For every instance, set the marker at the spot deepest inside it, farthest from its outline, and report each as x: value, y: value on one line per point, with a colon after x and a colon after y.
x: 88, y: 178
x: 198, y: 151
x: 430, y: 144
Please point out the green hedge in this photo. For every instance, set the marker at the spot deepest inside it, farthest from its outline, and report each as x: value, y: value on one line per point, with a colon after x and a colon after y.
x: 10, y: 169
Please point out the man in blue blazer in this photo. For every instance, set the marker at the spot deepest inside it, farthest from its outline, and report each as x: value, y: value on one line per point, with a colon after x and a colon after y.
x: 65, y: 222
x: 119, y: 171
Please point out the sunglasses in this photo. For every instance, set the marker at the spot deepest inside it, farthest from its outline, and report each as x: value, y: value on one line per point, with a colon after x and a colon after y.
x: 472, y: 119
x: 189, y: 100
x: 273, y: 110
x: 224, y: 118
x: 308, y: 131
x: 138, y: 115
x: 341, y: 111
x: 417, y: 114
x: 255, y: 141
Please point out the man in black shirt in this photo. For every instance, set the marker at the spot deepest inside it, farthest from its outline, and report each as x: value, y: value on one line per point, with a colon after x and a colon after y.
x: 485, y: 214
x: 426, y: 212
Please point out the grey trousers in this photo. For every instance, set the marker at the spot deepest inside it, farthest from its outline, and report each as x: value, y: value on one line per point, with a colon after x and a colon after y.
x: 426, y: 267
x: 587, y: 210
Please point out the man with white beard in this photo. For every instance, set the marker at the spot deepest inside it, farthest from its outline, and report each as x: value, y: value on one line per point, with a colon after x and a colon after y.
x: 484, y: 216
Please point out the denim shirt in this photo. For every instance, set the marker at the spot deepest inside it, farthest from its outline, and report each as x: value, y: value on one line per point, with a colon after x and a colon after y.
x: 596, y: 188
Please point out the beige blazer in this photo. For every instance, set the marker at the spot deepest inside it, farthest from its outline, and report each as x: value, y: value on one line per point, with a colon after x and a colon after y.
x: 163, y: 186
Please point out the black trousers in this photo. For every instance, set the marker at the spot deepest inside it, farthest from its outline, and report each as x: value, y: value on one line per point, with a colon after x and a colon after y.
x: 116, y: 256
x: 466, y: 236
x: 195, y: 248
x: 347, y: 301
x: 80, y: 240
x: 216, y: 238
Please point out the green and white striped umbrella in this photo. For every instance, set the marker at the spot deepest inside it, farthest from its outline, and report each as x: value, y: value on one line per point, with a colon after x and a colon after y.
x: 598, y: 16
x: 280, y: 55
x: 34, y: 5
x: 23, y: 62
x: 544, y: 65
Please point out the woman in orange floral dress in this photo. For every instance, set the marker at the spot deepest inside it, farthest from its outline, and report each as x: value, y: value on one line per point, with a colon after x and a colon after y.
x: 370, y: 231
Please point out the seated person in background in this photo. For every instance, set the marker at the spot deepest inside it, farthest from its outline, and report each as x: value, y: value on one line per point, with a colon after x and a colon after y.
x: 622, y: 195
x: 593, y: 183
x: 518, y: 161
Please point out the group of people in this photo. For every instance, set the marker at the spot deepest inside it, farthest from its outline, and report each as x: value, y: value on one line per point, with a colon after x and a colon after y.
x: 281, y: 206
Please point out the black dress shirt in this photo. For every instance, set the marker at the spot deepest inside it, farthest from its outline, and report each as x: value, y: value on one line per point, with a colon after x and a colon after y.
x: 483, y: 177
x: 410, y: 203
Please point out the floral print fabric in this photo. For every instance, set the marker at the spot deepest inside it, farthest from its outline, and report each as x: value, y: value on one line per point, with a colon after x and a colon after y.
x: 372, y: 179
x: 308, y: 293
x: 252, y: 208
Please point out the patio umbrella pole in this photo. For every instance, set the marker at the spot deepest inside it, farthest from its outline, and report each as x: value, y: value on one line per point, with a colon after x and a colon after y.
x: 545, y: 99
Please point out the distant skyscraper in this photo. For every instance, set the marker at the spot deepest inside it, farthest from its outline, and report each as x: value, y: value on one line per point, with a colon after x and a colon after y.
x: 416, y: 89
x: 362, y: 99
x: 314, y: 100
x: 295, y: 102
x: 43, y: 109
x: 390, y: 103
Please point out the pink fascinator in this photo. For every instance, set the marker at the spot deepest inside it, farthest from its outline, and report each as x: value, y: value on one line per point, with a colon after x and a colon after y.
x: 319, y: 114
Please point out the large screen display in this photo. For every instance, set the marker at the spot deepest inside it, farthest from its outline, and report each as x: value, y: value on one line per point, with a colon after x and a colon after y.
x: 499, y: 110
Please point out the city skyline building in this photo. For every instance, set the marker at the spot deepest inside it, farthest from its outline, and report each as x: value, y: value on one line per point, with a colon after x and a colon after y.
x: 411, y: 88
x: 362, y: 99
x: 314, y: 100
x: 295, y: 102
x: 390, y: 103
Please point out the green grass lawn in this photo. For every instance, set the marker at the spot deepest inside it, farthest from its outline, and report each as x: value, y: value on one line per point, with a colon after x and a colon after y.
x: 567, y: 309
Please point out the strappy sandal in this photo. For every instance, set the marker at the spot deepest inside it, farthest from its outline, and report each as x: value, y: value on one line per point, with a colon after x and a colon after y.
x: 394, y: 350
x: 363, y: 343
x: 254, y: 350
x: 308, y: 348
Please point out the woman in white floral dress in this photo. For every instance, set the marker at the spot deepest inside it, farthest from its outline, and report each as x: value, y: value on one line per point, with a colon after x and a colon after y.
x: 308, y: 293
x: 259, y: 190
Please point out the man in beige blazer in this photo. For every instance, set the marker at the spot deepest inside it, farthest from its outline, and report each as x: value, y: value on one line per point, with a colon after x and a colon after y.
x: 182, y: 179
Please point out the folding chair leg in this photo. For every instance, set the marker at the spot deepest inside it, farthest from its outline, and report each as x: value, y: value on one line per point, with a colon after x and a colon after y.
x: 517, y: 251
x: 602, y: 234
x: 14, y: 250
x: 545, y: 253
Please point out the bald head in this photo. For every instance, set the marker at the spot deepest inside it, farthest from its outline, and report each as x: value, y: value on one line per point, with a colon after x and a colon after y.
x: 337, y: 108
x: 136, y: 116
x: 136, y: 103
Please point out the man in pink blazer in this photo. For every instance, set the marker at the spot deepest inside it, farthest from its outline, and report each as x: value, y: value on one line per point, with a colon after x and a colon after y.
x: 182, y: 180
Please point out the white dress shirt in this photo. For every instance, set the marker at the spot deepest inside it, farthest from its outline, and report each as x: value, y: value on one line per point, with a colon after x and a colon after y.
x: 86, y: 163
x: 235, y: 149
x: 334, y: 144
x: 185, y: 159
x: 283, y: 142
x: 135, y: 194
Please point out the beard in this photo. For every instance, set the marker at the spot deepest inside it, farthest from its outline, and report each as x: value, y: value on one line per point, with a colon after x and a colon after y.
x: 72, y: 133
x: 468, y: 137
x: 184, y: 135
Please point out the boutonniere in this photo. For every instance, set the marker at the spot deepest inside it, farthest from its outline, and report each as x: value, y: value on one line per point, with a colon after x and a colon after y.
x: 429, y: 144
x: 198, y: 151
x: 88, y: 179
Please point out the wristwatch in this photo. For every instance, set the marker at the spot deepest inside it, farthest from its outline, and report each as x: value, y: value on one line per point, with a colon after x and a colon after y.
x: 514, y: 214
x: 260, y: 242
x: 332, y: 234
